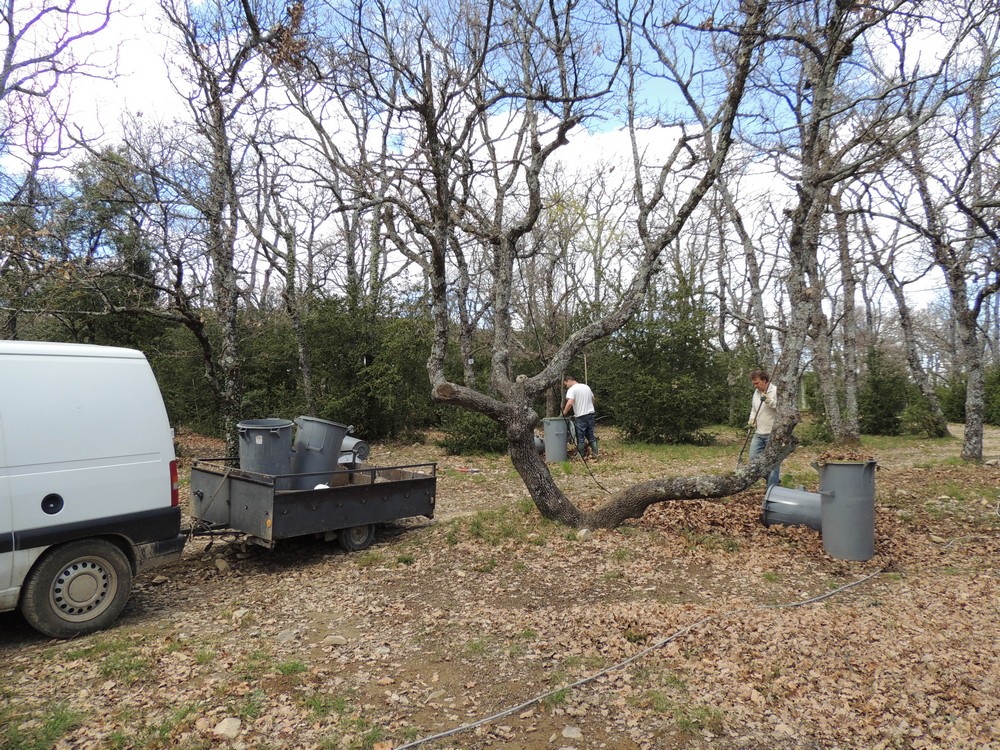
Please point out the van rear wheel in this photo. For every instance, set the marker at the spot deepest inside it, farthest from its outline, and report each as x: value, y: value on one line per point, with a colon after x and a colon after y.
x: 77, y: 588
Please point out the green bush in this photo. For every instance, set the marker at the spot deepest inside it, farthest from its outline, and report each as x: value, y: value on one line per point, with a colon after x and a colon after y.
x: 370, y: 370
x: 916, y: 417
x: 815, y: 427
x: 270, y: 367
x: 952, y: 398
x: 469, y: 432
x: 739, y: 363
x: 659, y: 378
x: 883, y: 394
x: 180, y: 372
x: 992, y: 388
x: 814, y: 431
x: 658, y: 410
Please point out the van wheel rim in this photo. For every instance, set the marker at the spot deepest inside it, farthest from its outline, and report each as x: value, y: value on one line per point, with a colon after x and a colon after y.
x: 84, y: 589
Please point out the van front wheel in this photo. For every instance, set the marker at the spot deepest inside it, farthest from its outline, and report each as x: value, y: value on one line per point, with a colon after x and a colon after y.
x: 77, y: 588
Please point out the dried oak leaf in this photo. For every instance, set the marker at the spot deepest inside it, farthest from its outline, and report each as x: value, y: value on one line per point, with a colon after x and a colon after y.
x: 843, y: 455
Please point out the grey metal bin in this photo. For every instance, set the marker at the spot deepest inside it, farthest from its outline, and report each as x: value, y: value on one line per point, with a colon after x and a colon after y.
x: 556, y: 432
x: 789, y: 507
x: 316, y: 451
x: 265, y: 445
x: 354, y: 449
x: 848, y: 508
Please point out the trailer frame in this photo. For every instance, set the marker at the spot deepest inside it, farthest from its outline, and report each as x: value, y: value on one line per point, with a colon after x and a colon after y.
x: 347, y: 502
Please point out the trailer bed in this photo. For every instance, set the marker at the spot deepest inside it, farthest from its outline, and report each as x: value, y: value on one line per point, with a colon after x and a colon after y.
x: 352, y: 499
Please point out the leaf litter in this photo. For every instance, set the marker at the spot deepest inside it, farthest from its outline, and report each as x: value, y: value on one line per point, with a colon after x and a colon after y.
x: 445, y: 623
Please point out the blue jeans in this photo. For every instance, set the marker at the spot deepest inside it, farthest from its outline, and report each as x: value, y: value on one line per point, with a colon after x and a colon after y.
x: 757, y: 445
x: 585, y: 433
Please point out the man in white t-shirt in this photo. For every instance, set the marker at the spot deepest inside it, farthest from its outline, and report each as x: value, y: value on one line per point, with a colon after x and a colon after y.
x: 580, y: 399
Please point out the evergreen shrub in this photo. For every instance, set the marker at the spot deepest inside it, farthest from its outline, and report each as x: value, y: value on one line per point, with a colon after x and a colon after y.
x: 814, y: 431
x: 991, y: 386
x: 952, y: 398
x: 660, y: 378
x: 179, y: 367
x: 882, y: 395
x: 469, y: 432
x: 916, y: 417
x: 270, y: 368
x: 370, y: 370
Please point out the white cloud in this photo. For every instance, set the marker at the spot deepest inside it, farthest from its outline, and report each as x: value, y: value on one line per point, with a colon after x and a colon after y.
x: 133, y: 50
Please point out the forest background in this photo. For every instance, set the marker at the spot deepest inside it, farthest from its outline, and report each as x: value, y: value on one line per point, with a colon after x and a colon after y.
x: 373, y: 212
x: 403, y: 215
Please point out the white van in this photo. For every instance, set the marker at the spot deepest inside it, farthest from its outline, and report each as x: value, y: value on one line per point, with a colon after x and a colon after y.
x: 88, y: 482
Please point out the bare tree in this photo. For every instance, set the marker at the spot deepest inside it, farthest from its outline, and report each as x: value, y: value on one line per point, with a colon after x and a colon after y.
x: 184, y: 180
x: 848, y: 261
x: 831, y: 107
x: 488, y: 93
x: 41, y: 57
x: 42, y: 40
x: 744, y: 276
x: 884, y: 253
x: 948, y: 195
x: 574, y: 264
x: 220, y: 71
x: 284, y: 218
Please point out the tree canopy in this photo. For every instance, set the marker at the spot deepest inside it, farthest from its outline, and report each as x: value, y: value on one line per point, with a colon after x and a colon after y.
x: 499, y: 188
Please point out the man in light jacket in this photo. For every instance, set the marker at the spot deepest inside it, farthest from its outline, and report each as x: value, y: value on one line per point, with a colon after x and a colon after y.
x: 763, y: 410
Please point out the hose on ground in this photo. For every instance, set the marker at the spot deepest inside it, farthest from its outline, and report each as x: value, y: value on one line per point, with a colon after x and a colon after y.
x: 635, y: 657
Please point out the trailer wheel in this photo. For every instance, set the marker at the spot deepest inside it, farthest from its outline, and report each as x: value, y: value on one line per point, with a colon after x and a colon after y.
x: 357, y: 537
x: 77, y: 588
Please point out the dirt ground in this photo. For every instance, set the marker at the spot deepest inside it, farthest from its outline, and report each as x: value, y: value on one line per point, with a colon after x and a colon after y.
x: 487, y: 627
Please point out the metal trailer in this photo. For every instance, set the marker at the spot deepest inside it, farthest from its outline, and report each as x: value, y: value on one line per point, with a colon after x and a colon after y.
x: 346, y: 504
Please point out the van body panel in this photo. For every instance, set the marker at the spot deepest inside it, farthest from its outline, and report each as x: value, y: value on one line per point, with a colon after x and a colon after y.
x: 24, y: 561
x: 138, y: 528
x: 92, y: 443
x: 6, y: 537
x: 98, y: 487
x: 85, y: 452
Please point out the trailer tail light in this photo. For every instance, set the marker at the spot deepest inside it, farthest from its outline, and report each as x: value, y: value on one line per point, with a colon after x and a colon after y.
x: 175, y: 485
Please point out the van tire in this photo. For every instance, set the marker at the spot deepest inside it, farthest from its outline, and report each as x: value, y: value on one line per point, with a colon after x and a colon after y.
x: 77, y: 588
x: 357, y: 537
